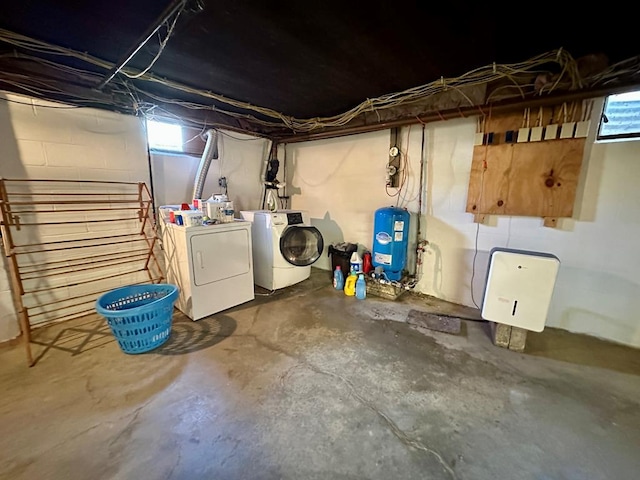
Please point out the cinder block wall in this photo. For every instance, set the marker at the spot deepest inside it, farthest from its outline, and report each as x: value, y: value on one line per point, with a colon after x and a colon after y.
x: 42, y: 140
x: 341, y: 183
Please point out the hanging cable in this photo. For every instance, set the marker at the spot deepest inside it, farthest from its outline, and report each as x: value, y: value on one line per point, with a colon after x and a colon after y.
x: 170, y: 10
x: 163, y: 44
x: 476, y: 77
x: 419, y: 242
x: 485, y: 166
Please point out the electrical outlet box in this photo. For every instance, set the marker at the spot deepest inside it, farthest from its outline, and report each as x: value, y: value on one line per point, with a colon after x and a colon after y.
x: 536, y: 134
x: 551, y: 132
x: 567, y: 129
x: 222, y: 182
x: 478, y: 139
x: 491, y: 138
x: 523, y: 135
x: 582, y: 129
x: 391, y: 175
x: 519, y: 288
x: 510, y: 136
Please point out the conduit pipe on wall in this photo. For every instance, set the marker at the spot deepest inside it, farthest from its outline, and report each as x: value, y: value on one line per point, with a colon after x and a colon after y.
x: 420, y: 243
x: 210, y: 153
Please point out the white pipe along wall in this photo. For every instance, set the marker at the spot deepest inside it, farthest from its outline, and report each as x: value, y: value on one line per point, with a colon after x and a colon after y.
x: 341, y: 182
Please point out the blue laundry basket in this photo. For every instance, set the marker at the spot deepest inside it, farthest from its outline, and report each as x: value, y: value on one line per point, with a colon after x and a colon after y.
x: 140, y: 316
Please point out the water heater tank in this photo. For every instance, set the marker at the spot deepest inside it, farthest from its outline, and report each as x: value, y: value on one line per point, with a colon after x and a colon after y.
x: 390, y: 241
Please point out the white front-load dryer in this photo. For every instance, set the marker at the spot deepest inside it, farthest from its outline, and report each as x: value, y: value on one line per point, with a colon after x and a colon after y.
x: 285, y: 245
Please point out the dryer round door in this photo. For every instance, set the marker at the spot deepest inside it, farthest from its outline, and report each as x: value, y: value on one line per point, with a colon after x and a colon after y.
x: 301, y: 245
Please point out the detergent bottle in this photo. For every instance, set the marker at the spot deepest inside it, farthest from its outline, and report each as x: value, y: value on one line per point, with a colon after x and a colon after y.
x: 338, y: 278
x: 356, y: 262
x: 350, y: 285
x: 367, y: 266
x: 361, y: 287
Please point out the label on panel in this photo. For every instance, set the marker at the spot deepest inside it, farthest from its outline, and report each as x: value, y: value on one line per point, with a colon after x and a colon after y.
x: 382, y: 258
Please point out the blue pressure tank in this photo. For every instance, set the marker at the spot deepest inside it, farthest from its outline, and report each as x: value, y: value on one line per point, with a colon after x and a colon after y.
x: 390, y: 241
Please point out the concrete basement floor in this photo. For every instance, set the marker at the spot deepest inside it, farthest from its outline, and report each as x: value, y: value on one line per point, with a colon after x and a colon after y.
x: 310, y: 384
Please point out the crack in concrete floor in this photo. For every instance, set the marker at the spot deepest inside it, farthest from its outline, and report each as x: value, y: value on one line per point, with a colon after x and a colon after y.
x: 324, y: 387
x: 393, y: 427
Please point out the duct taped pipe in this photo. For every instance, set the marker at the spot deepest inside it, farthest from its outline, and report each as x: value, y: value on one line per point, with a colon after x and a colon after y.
x: 210, y: 152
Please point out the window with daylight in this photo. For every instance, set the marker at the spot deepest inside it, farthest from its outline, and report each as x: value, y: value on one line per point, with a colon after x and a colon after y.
x: 164, y: 136
x: 620, y: 117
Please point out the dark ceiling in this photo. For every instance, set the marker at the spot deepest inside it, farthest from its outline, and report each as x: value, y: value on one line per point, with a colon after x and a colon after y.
x: 308, y: 59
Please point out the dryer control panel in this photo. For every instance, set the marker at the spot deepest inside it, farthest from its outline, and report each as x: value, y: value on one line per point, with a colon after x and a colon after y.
x: 294, y: 218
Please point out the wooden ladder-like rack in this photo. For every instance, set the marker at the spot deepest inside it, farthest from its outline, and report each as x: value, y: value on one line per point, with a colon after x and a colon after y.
x: 69, y: 241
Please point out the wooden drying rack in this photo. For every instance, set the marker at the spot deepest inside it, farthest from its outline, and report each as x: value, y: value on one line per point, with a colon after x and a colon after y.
x: 29, y: 206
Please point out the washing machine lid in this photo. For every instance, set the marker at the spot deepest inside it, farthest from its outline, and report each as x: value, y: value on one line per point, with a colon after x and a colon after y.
x: 301, y: 245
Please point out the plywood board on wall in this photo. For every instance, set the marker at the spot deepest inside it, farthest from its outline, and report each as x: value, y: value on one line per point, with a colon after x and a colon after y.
x: 489, y: 187
x: 524, y: 179
x: 545, y: 178
x: 537, y: 179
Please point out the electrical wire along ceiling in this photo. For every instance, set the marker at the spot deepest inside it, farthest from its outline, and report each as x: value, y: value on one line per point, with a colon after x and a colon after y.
x: 292, y: 68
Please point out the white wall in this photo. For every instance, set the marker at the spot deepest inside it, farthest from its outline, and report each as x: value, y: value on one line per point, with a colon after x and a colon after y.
x: 40, y: 142
x: 341, y: 183
x: 240, y: 160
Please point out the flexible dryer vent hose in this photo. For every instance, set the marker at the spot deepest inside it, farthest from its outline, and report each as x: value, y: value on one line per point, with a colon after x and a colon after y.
x: 210, y: 152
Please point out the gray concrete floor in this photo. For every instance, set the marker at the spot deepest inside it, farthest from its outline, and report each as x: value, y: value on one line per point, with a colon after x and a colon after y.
x: 310, y: 384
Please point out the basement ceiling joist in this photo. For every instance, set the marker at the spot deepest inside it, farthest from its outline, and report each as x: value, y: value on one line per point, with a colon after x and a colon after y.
x: 303, y: 60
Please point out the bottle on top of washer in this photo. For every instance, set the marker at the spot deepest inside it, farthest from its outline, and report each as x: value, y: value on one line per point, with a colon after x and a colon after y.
x: 355, y: 263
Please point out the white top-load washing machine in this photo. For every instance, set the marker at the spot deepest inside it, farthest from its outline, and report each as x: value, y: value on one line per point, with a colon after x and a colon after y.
x: 211, y: 264
x: 285, y: 245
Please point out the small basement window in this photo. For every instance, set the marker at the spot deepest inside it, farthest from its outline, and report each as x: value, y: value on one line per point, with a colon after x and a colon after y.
x: 621, y: 117
x: 167, y: 136
x: 164, y: 136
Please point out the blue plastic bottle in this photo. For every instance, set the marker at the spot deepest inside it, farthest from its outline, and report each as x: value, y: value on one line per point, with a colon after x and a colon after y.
x: 338, y: 278
x: 361, y: 287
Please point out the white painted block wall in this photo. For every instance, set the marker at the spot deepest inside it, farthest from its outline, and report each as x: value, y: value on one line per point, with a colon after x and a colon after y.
x: 89, y: 144
x: 240, y: 160
x: 341, y: 183
x: 42, y: 141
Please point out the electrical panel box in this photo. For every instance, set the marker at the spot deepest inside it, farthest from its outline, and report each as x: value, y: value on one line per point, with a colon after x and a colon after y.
x: 519, y: 288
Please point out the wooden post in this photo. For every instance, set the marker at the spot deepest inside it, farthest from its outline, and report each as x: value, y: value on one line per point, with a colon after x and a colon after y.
x: 140, y: 200
x: 17, y: 289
